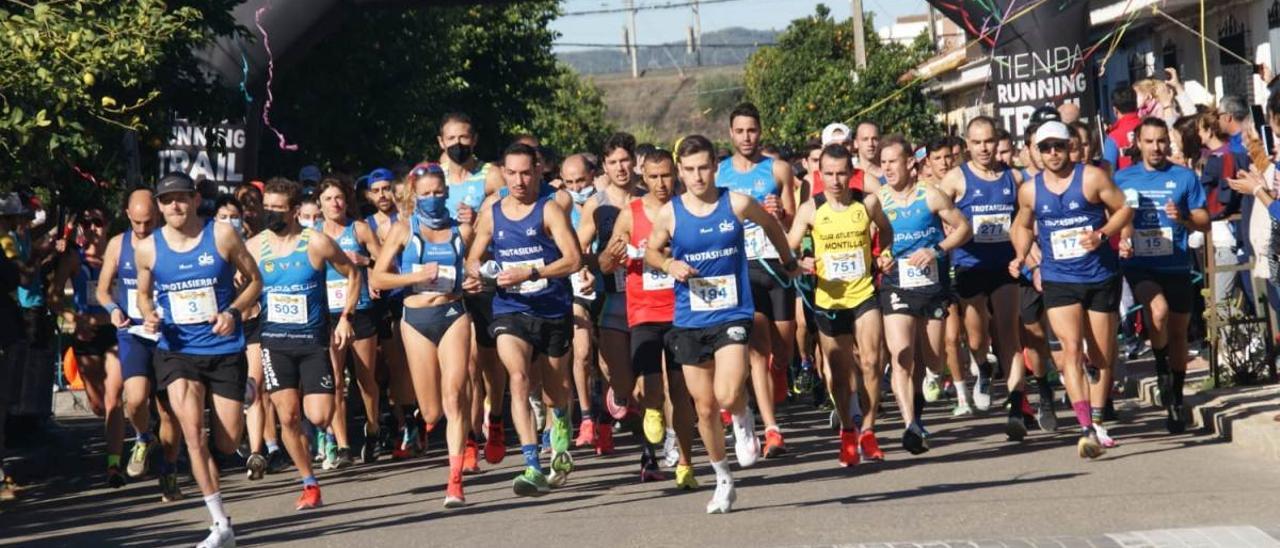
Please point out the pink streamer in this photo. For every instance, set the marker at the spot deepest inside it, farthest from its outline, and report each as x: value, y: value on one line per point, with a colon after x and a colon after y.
x: 271, y: 70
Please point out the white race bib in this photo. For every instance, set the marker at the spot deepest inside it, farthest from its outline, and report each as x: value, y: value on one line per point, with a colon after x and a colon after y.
x: 657, y: 280
x: 193, y: 305
x: 579, y: 281
x: 1066, y: 243
x: 845, y: 266
x: 529, y: 286
x: 757, y: 244
x: 1153, y: 242
x: 131, y: 303
x: 337, y: 293
x: 991, y: 228
x: 446, y: 276
x: 713, y: 293
x: 282, y: 308
x: 911, y: 277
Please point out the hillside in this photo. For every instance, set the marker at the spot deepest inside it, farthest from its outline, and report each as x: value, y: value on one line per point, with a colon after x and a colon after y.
x: 614, y: 60
x: 661, y: 106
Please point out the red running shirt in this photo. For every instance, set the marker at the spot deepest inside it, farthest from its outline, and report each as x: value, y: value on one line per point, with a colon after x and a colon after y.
x: 651, y: 296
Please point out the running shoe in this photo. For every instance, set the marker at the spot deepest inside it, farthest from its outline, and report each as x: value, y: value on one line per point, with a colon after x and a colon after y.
x: 310, y: 498
x: 139, y: 459
x: 685, y: 478
x: 849, y: 448
x: 256, y: 465
x: 1174, y: 420
x: 530, y: 483
x: 586, y: 433
x: 982, y: 393
x: 495, y: 444
x: 277, y: 461
x: 169, y: 490
x: 805, y: 380
x: 654, y: 426
x: 778, y: 375
x: 1106, y: 440
x: 774, y: 447
x: 1014, y: 427
x: 453, y: 497
x: 649, y: 469
x: 342, y: 457
x: 722, y: 501
x: 746, y: 446
x: 561, y: 466
x: 369, y: 449
x: 604, y: 439
x: 670, y: 450
x: 9, y: 488
x: 870, y: 447
x: 914, y: 440
x: 471, y: 457
x: 1089, y: 447
x: 617, y: 409
x: 932, y: 388
x: 962, y: 410
x: 321, y: 446
x: 1047, y: 415
x: 561, y: 431
x: 220, y: 536
x: 114, y: 478
x: 403, y: 447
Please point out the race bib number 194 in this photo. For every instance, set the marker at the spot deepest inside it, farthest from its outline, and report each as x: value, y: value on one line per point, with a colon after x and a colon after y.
x: 713, y: 293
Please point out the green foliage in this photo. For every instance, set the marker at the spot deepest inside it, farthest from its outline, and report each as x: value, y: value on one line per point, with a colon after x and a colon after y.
x: 810, y: 80
x: 376, y: 89
x: 718, y: 94
x: 76, y: 74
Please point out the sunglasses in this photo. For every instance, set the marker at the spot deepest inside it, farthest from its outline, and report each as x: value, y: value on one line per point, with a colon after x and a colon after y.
x: 433, y: 169
x: 1049, y: 146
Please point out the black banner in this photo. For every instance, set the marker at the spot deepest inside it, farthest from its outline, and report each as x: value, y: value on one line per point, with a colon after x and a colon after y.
x: 215, y: 153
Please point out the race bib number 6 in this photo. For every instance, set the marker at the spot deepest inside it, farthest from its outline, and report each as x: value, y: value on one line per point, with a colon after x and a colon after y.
x: 713, y: 293
x: 336, y: 290
x: 193, y: 305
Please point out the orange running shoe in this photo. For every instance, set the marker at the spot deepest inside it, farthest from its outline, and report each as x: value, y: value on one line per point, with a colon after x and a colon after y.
x: 310, y: 498
x: 870, y: 447
x: 604, y: 439
x: 453, y: 497
x: 725, y: 417
x: 849, y: 448
x: 495, y: 444
x: 586, y: 433
x: 774, y: 447
x: 779, y: 378
x: 470, y: 456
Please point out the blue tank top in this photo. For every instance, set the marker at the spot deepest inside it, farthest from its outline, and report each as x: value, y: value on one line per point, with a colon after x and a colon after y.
x: 758, y: 182
x: 1158, y: 242
x: 84, y: 287
x: 194, y: 286
x: 372, y: 221
x: 447, y: 254
x: 990, y: 207
x: 126, y: 292
x: 31, y: 294
x: 469, y: 190
x: 523, y: 242
x: 915, y: 227
x: 712, y: 245
x: 1060, y: 220
x: 293, y: 297
x: 336, y: 282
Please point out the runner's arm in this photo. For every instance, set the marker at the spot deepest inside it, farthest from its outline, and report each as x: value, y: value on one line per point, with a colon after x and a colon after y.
x: 480, y: 242
x: 1022, y: 230
x: 748, y: 209
x: 786, y: 178
x: 586, y: 233
x: 884, y: 229
x: 961, y: 231
x: 328, y: 251
x: 110, y: 259
x: 68, y: 263
x: 659, y: 237
x: 556, y: 221
x: 144, y: 259
x: 1120, y: 214
x: 799, y: 226
x: 609, y: 259
x: 232, y: 247
x: 369, y: 238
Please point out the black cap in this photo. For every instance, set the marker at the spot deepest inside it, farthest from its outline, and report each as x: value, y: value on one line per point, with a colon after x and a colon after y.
x: 1045, y: 114
x: 175, y: 182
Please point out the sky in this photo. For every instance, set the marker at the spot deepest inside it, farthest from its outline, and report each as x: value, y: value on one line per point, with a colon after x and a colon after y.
x: 668, y: 25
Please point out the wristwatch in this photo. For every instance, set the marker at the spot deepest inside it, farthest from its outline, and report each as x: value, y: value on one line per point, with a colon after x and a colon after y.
x: 234, y: 312
x: 533, y: 274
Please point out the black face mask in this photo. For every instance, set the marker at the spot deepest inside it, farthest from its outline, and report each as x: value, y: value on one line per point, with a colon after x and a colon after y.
x: 275, y: 221
x: 458, y: 153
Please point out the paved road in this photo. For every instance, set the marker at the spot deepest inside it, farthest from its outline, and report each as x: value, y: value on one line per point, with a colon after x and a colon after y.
x: 973, y: 485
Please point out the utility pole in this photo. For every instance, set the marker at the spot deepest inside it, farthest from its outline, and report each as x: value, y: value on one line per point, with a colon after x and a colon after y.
x: 635, y: 67
x: 697, y: 33
x: 933, y: 29
x: 859, y: 36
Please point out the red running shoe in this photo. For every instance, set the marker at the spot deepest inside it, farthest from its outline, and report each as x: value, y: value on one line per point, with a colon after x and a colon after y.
x: 604, y: 439
x: 870, y: 447
x: 495, y: 444
x: 453, y: 497
x: 310, y: 498
x: 586, y: 433
x: 726, y: 419
x: 773, y: 444
x: 849, y: 448
x: 470, y: 458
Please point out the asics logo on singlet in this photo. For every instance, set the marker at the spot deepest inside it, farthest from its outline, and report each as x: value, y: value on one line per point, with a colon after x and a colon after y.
x: 726, y: 226
x: 711, y: 255
x: 502, y: 234
x: 205, y: 259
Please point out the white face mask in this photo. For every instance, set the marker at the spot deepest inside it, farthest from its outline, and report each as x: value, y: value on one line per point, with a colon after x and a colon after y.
x: 308, y: 224
x: 39, y: 218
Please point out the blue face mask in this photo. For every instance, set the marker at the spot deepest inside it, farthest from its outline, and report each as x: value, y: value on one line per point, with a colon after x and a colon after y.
x: 581, y: 196
x: 431, y: 211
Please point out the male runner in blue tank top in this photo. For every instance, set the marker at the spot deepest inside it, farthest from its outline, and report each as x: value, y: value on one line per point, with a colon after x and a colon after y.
x: 295, y: 322
x: 191, y: 264
x: 714, y: 311
x: 133, y: 374
x: 986, y: 192
x: 381, y: 190
x: 772, y: 184
x: 1072, y: 210
x: 528, y: 234
x: 1168, y: 204
x: 576, y: 177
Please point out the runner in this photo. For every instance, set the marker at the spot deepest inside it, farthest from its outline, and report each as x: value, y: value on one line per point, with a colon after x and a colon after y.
x: 394, y: 373
x: 1168, y: 204
x: 867, y: 174
x: 576, y: 179
x: 533, y: 245
x: 1071, y: 210
x: 986, y: 192
x: 914, y: 290
x: 190, y: 264
x: 771, y: 184
x: 651, y: 308
x: 705, y: 228
x: 941, y: 158
x: 260, y: 417
x: 811, y: 364
x: 295, y: 332
x: 360, y: 243
x: 841, y: 221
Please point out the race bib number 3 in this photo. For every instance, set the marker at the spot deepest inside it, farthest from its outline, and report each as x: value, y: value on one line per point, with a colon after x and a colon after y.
x: 282, y: 308
x: 336, y: 290
x: 911, y: 277
x: 713, y: 293
x: 446, y: 276
x: 1066, y: 243
x: 192, y: 305
x: 1153, y: 242
x: 991, y: 228
x: 846, y: 266
x: 528, y: 286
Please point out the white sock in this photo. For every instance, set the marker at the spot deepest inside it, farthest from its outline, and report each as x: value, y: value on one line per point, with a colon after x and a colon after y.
x: 214, y: 503
x: 962, y: 393
x: 722, y: 471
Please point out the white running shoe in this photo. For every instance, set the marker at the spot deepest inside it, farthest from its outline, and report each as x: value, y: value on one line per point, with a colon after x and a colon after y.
x: 219, y: 537
x: 746, y: 445
x: 722, y: 501
x: 670, y: 450
x: 982, y: 394
x: 1103, y: 438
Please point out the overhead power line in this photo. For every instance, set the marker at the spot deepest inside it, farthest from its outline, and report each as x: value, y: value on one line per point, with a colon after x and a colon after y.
x: 664, y: 6
x: 681, y: 46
